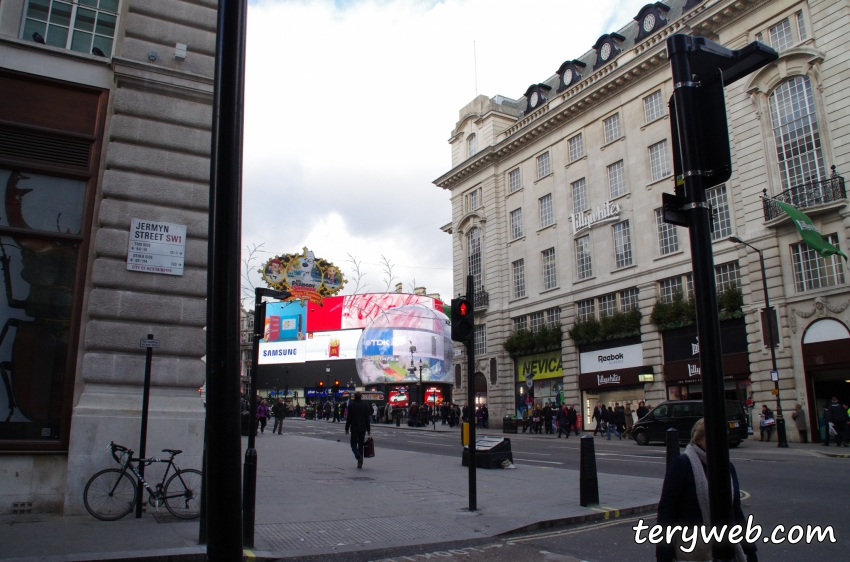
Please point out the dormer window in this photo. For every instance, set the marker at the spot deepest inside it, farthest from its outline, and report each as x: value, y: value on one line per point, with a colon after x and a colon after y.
x: 536, y: 96
x: 607, y: 48
x: 570, y: 73
x: 86, y: 26
x: 471, y: 146
x: 651, y: 18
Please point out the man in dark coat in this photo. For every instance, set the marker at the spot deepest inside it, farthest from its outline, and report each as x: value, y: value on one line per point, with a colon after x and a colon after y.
x: 837, y: 414
x: 547, y: 418
x: 563, y: 424
x: 572, y: 420
x: 642, y: 410
x: 599, y: 413
x: 358, y: 422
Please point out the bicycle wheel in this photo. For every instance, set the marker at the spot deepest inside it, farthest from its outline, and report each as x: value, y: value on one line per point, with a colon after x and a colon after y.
x: 183, y: 494
x: 110, y: 494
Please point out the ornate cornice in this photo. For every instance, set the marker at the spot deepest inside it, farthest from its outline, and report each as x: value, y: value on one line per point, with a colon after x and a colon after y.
x: 821, y: 307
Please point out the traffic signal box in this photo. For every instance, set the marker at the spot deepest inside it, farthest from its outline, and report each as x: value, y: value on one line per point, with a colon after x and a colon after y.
x: 321, y: 386
x: 462, y: 323
x: 336, y: 387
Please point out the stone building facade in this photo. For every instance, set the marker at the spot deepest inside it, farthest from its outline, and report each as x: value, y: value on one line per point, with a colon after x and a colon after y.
x: 554, y: 212
x: 105, y: 118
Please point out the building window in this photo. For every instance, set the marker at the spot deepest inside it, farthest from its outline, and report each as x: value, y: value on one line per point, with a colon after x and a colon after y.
x: 801, y: 26
x: 722, y: 222
x: 471, y: 148
x: 612, y: 128
x: 616, y: 179
x: 622, y: 244
x: 518, y: 269
x: 472, y: 200
x: 653, y: 107
x: 583, y: 263
x: 550, y: 277
x: 689, y: 285
x: 520, y: 323
x: 670, y: 288
x: 576, y: 148
x: 83, y: 26
x: 811, y: 271
x: 516, y: 224
x: 480, y: 339
x: 795, y: 130
x: 553, y: 317
x: 513, y: 180
x: 668, y: 235
x: 659, y: 160
x: 780, y: 35
x: 726, y: 275
x: 536, y: 321
x: 607, y: 305
x: 474, y: 256
x: 546, y: 216
x: 543, y: 165
x: 629, y: 299
x: 579, y: 195
x: 586, y: 310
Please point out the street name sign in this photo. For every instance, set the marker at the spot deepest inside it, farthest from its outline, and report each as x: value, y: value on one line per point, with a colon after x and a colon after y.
x: 148, y: 343
x: 156, y: 247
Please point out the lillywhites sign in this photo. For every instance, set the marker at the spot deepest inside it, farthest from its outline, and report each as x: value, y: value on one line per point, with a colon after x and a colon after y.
x: 541, y: 366
x: 602, y: 380
x: 614, y: 358
x: 584, y: 221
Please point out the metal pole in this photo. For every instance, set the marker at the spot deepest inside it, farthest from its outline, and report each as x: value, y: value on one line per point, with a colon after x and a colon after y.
x: 143, y: 436
x: 705, y: 294
x: 224, y: 254
x: 470, y: 367
x: 781, y: 438
x: 249, y: 474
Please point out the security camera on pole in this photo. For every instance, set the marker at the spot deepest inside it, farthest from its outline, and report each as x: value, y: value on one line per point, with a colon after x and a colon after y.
x: 463, y: 330
x: 702, y: 159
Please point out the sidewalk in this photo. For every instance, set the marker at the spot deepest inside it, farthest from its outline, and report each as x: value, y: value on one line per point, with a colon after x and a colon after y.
x: 311, y: 499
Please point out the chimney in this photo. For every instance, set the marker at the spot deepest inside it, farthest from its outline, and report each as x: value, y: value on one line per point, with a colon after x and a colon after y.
x: 398, y: 287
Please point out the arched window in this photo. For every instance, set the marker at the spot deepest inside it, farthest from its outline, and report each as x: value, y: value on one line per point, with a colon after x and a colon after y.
x: 471, y: 146
x: 795, y: 130
x: 473, y: 248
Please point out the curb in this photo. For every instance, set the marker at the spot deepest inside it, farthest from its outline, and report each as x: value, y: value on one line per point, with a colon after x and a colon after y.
x: 833, y: 455
x: 188, y: 554
x: 603, y: 513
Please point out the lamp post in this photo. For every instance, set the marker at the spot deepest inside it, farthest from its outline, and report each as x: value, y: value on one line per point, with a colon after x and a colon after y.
x: 782, y: 440
x: 329, y: 397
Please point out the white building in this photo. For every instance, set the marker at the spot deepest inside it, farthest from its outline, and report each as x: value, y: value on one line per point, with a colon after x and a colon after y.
x: 555, y: 200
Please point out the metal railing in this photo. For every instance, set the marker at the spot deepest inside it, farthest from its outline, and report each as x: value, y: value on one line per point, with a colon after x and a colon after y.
x: 813, y: 192
x: 481, y: 298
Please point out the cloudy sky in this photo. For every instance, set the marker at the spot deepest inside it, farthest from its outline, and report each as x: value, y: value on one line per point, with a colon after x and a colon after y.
x: 350, y: 104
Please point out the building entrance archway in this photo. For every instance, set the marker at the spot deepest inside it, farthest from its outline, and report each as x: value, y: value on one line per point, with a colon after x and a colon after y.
x: 480, y: 388
x: 826, y: 356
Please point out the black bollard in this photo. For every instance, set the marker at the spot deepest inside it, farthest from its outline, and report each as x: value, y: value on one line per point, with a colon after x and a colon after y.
x: 588, y: 482
x: 672, y: 437
x: 249, y: 497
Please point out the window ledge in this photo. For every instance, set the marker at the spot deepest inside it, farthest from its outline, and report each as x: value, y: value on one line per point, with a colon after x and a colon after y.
x: 514, y: 192
x: 627, y: 195
x: 658, y: 181
x: 521, y: 238
x: 656, y: 120
x: 579, y: 159
x: 517, y: 299
x: 625, y: 267
x: 544, y: 291
x: 606, y: 145
x: 676, y: 253
x: 550, y: 174
x: 552, y: 226
x: 586, y: 279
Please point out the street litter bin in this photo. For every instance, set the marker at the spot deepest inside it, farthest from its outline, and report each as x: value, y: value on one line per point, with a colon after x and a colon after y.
x: 509, y: 424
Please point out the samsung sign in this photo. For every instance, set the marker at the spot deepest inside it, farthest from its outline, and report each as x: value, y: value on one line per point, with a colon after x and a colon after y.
x: 283, y: 352
x: 611, y: 359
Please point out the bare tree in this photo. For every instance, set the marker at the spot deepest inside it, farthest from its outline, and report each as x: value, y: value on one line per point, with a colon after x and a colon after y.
x: 358, y: 275
x: 248, y: 265
x: 413, y: 286
x: 388, y: 271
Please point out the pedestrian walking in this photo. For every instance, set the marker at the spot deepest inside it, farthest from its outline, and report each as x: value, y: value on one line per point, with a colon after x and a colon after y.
x: 374, y: 413
x: 279, y: 412
x: 357, y: 422
x: 563, y: 423
x: 629, y: 420
x: 799, y: 417
x: 599, y: 413
x: 611, y: 424
x: 524, y: 418
x: 479, y: 417
x: 547, y: 418
x: 685, y: 502
x: 767, y: 422
x: 262, y: 416
x: 486, y: 411
x: 642, y: 410
x: 836, y: 423
x: 572, y: 420
x: 327, y: 410
x: 620, y: 419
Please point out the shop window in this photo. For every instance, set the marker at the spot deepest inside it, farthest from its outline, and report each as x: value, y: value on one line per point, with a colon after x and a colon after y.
x: 87, y: 26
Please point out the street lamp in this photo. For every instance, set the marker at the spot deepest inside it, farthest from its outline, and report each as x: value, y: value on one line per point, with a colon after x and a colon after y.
x: 327, y: 386
x: 782, y: 440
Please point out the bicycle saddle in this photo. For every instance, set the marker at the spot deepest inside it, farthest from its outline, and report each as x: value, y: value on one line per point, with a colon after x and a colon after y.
x: 172, y: 451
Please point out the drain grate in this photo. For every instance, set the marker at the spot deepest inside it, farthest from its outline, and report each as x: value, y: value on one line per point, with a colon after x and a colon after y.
x: 21, y: 508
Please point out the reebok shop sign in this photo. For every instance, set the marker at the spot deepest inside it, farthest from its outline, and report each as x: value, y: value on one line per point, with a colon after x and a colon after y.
x: 612, y: 359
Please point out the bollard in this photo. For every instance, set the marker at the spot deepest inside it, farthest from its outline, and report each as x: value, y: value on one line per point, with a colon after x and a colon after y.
x: 249, y: 497
x: 588, y: 482
x: 397, y: 419
x: 672, y: 437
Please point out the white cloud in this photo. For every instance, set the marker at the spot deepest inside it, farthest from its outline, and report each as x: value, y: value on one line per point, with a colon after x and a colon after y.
x: 349, y: 106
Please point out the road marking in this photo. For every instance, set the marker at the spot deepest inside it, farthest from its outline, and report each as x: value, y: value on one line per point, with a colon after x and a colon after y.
x: 429, y: 443
x: 529, y: 453
x: 535, y: 460
x: 591, y: 527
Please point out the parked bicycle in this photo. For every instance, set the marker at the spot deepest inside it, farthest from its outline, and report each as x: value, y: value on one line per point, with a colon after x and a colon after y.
x: 112, y: 493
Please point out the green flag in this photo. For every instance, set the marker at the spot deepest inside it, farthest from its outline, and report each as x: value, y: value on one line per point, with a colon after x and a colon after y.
x: 808, y: 232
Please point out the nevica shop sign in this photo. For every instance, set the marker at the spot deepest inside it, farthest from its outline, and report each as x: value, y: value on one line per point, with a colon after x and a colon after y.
x: 542, y: 366
x: 611, y: 359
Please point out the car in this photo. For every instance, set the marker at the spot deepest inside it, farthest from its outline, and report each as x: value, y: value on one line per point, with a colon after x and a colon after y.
x: 682, y: 415
x: 399, y: 398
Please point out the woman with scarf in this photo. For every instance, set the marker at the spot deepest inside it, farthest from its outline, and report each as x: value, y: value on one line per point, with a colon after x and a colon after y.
x: 684, y: 501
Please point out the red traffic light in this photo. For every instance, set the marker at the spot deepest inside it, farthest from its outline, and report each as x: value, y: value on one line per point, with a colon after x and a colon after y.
x: 336, y: 383
x: 321, y: 384
x: 463, y: 309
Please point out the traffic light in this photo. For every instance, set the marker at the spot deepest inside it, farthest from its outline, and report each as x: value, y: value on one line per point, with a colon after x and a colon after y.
x: 321, y: 386
x: 462, y: 323
x: 336, y: 387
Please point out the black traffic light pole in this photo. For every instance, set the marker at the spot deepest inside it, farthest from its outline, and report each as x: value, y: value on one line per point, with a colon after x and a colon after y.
x: 470, y: 393
x: 224, y: 255
x: 701, y: 150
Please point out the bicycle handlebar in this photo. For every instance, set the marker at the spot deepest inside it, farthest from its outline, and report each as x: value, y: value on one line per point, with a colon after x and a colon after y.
x: 114, y: 447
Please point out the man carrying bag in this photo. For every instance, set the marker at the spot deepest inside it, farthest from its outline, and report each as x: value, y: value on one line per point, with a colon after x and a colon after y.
x: 358, y: 422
